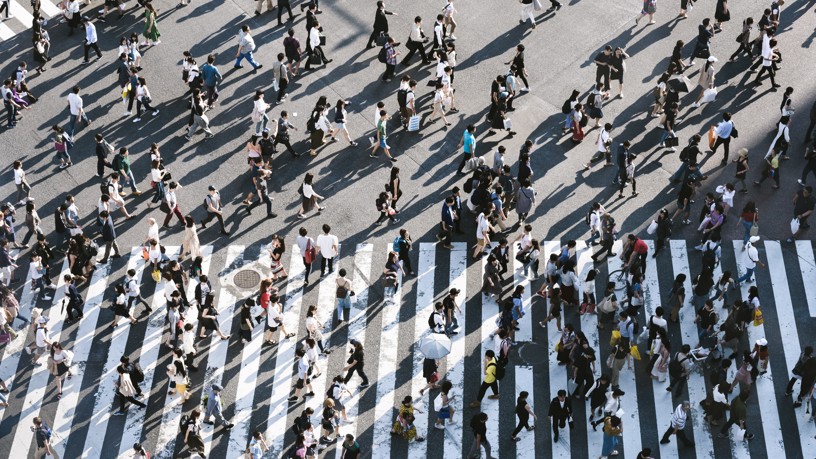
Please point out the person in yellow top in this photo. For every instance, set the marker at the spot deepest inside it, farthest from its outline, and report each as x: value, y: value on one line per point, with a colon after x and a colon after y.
x: 492, y: 374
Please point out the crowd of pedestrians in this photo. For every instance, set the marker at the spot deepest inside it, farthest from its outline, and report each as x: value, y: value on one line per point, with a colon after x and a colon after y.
x: 495, y: 203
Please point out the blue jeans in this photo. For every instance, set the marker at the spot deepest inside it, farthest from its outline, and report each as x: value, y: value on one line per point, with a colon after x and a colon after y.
x: 72, y: 123
x: 130, y: 180
x: 593, y: 237
x: 451, y: 325
x: 747, y: 226
x: 610, y: 442
x: 159, y: 195
x: 248, y: 56
x: 343, y: 303
x: 568, y: 121
x: 665, y: 136
x: 717, y: 292
x: 748, y: 274
x: 261, y: 125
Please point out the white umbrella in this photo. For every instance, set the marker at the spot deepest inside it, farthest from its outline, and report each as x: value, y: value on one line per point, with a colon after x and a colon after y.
x: 435, y: 345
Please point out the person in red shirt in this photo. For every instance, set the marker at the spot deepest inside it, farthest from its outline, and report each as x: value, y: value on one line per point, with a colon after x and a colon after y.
x: 634, y: 255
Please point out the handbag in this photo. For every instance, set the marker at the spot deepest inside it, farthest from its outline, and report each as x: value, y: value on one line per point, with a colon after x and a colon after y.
x: 754, y: 231
x: 322, y: 40
x: 610, y: 360
x: 672, y: 142
x: 382, y: 39
x: 758, y: 320
x: 314, y: 59
x: 652, y: 227
x: 794, y: 225
x: 712, y: 136
x: 310, y: 254
x: 164, y: 207
x: 145, y: 253
x: 156, y: 275
x: 606, y: 305
x: 413, y: 123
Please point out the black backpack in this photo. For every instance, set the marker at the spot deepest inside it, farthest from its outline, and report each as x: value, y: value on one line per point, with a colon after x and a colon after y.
x: 183, y: 423
x: 710, y: 256
x: 310, y: 124
x: 104, y: 187
x: 499, y: 371
x: 59, y: 223
x: 567, y: 107
x: 676, y: 367
x: 467, y: 187
x: 382, y: 56
x: 402, y: 97
x: 431, y: 321
x: 136, y: 373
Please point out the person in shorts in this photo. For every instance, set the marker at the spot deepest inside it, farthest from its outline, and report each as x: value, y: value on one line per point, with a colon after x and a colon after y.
x: 41, y: 342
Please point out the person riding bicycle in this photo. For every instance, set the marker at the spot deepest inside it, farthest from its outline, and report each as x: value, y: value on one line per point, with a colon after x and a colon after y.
x: 634, y: 254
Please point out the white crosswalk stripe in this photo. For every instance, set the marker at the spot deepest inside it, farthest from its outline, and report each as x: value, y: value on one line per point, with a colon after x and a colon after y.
x: 22, y: 18
x: 789, y: 269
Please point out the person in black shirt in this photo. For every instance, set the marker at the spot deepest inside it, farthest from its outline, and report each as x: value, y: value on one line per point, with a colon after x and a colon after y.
x: 704, y: 34
x: 380, y: 23
x: 260, y: 178
x: 197, y: 116
x: 684, y: 200
x: 355, y: 363
x: 603, y: 67
x: 479, y: 427
x: 282, y: 137
x: 803, y: 204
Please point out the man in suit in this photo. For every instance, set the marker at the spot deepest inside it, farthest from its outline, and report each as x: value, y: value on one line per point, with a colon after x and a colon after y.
x: 109, y: 236
x: 380, y: 23
x: 457, y: 209
x: 502, y: 253
x: 560, y: 413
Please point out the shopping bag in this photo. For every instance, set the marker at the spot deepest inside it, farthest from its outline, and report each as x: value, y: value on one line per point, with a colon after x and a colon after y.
x: 537, y: 5
x: 571, y: 386
x: 145, y: 253
x: 558, y: 346
x: 794, y: 225
x: 616, y: 336
x: 635, y: 352
x: 610, y: 360
x: 672, y: 142
x: 413, y: 123
x: 156, y: 275
x: 758, y: 320
x: 652, y: 227
x: 382, y: 39
x: 754, y: 231
x: 712, y: 136
x: 709, y: 95
x: 508, y: 124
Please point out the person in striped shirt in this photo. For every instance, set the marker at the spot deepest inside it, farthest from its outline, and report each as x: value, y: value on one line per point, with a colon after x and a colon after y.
x: 678, y: 423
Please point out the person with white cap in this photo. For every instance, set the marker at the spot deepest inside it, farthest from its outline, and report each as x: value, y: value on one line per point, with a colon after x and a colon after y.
x: 41, y: 341
x: 706, y: 80
x: 762, y: 355
x: 215, y: 408
x: 750, y: 260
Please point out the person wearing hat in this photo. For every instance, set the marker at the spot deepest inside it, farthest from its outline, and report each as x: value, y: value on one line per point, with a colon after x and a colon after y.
x: 214, y: 209
x: 90, y: 38
x: 742, y: 168
x: 451, y: 308
x: 706, y: 80
x: 750, y: 260
x: 215, y: 408
x: 678, y: 423
x: 41, y: 341
x: 803, y: 205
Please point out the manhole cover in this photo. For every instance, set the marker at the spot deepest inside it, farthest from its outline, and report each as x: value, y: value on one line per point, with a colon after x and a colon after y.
x: 533, y: 353
x: 247, y: 279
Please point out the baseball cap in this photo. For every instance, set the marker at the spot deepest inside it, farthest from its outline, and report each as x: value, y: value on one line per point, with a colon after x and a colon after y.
x: 211, y: 188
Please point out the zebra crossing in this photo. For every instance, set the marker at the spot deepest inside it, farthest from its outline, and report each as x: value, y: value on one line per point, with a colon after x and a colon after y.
x: 258, y: 379
x: 21, y: 18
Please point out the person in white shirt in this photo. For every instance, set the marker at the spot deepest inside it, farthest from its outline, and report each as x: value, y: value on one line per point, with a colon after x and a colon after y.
x: 603, y: 142
x: 143, y: 98
x: 416, y: 43
x: 71, y: 14
x: 172, y: 204
x: 310, y: 198
x: 328, y: 246
x: 303, y: 380
x: 750, y: 260
x: 77, y: 110
x: 246, y: 46
x: 678, y: 423
x: 768, y: 59
x: 448, y: 11
x: 23, y: 188
x: 134, y: 291
x: 724, y: 131
x: 313, y: 46
x: 90, y: 39
x: 305, y: 243
x: 781, y: 140
x: 152, y: 230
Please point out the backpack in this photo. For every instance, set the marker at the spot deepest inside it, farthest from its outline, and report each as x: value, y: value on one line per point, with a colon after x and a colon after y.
x: 504, y: 353
x: 499, y: 371
x: 588, y: 216
x: 396, y: 245
x: 567, y: 107
x: 676, y: 367
x: 104, y: 187
x: 402, y: 97
x: 59, y: 223
x: 467, y: 187
x: 431, y: 321
x: 330, y: 392
x: 47, y: 431
x: 136, y: 373
x: 382, y: 56
x: 185, y: 421
x: 710, y: 255
x: 93, y: 248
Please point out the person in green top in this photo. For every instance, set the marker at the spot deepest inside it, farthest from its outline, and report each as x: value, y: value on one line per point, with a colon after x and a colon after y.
x: 490, y: 379
x: 151, y: 30
x: 382, y: 136
x: 121, y: 164
x: 738, y: 414
x: 351, y: 449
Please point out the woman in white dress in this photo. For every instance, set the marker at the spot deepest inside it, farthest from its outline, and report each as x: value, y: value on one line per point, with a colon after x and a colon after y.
x: 190, y: 245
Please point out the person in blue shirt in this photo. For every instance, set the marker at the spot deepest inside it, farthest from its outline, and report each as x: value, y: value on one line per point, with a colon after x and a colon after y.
x: 448, y: 216
x: 211, y: 77
x: 468, y: 143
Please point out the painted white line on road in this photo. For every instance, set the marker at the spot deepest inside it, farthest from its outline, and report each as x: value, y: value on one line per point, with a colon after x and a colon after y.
x: 386, y: 371
x: 81, y: 347
x: 424, y: 308
x: 171, y: 413
x: 589, y: 325
x: 455, y: 361
x: 134, y: 424
x: 490, y: 312
x: 525, y: 331
x: 807, y: 265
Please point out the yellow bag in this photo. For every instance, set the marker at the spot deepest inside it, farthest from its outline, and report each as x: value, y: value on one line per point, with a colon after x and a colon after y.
x: 635, y: 352
x: 126, y: 91
x: 558, y: 346
x: 758, y: 320
x: 156, y: 274
x: 616, y: 336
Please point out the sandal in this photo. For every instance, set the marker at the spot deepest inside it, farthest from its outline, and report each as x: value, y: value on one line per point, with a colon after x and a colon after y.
x: 59, y: 395
x: 289, y: 335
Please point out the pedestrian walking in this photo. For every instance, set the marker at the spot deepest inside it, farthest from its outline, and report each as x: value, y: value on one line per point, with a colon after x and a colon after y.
x: 355, y: 364
x: 214, y: 209
x: 151, y: 28
x: 380, y: 24
x: 192, y: 433
x: 478, y: 426
x: 126, y: 392
x: 90, y: 39
x: 382, y: 137
x: 560, y: 413
x: 650, y: 8
x: 109, y: 236
x: 215, y: 408
x: 416, y: 43
x: 678, y: 423
x: 171, y: 205
x: 42, y: 436
x: 492, y: 375
x: 612, y: 431
x: 77, y: 112
x: 314, y: 47
x: 198, y: 118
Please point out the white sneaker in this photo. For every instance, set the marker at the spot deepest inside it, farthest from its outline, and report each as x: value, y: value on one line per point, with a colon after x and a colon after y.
x: 126, y: 114
x: 136, y: 120
x: 47, y: 298
x: 695, y: 105
x: 155, y: 112
x: 439, y: 426
x: 452, y: 37
x: 525, y: 89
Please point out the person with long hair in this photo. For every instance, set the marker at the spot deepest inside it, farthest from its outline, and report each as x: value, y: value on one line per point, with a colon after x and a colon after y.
x: 309, y: 197
x: 340, y: 120
x: 151, y: 30
x: 276, y: 250
x: 190, y: 244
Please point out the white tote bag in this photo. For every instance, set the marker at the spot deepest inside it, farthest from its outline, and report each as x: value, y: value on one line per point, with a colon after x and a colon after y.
x: 794, y: 224
x: 652, y: 227
x: 537, y: 5
x: 413, y: 123
x: 709, y: 95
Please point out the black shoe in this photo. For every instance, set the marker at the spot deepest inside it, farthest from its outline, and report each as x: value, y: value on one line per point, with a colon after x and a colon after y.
x: 271, y: 215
